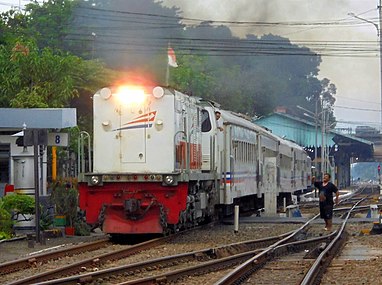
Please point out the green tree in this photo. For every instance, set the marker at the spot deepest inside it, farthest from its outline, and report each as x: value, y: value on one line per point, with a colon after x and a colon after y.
x: 12, y: 208
x: 252, y: 75
x: 49, y: 22
x: 41, y: 78
x: 192, y: 77
x: 12, y: 25
x: 19, y: 204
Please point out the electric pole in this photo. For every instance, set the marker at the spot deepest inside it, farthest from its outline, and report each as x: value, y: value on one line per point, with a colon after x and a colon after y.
x: 380, y: 50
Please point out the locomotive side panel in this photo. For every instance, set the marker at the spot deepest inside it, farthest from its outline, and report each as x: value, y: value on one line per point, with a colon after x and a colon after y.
x: 187, y: 135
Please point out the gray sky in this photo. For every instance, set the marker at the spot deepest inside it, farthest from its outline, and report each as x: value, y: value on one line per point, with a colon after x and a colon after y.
x: 357, y: 79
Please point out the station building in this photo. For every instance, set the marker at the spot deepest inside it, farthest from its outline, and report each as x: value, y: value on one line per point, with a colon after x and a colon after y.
x: 18, y: 158
x: 339, y: 150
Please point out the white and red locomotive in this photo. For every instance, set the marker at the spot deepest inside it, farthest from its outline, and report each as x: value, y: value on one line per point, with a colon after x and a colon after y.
x: 161, y: 163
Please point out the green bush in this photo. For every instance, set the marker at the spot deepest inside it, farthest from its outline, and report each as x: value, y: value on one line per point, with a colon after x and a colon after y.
x: 64, y: 196
x: 19, y: 204
x: 6, y: 223
x: 81, y: 228
x: 46, y: 220
x: 11, y: 206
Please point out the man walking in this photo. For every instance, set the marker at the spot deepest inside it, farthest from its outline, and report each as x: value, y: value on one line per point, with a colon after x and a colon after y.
x: 326, y: 190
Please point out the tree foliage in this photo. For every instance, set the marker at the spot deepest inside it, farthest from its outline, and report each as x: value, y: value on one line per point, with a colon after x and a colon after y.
x: 48, y: 54
x: 6, y: 223
x: 38, y: 68
x: 19, y: 204
x: 44, y: 78
x: 257, y: 83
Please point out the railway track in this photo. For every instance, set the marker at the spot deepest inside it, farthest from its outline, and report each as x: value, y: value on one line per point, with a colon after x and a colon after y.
x: 289, y: 257
x: 12, y: 266
x: 196, y: 260
x: 310, y: 272
x: 191, y: 263
x: 96, y: 260
x: 302, y: 268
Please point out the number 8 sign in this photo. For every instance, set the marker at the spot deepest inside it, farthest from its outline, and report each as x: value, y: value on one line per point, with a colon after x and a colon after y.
x: 58, y: 139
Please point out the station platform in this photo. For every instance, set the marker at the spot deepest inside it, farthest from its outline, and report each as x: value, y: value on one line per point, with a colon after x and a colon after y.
x: 293, y: 220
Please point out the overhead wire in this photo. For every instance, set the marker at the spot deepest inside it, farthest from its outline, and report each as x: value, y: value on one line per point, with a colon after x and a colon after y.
x: 197, y: 20
x: 357, y: 100
x: 358, y: 109
x: 215, y: 47
x: 352, y: 48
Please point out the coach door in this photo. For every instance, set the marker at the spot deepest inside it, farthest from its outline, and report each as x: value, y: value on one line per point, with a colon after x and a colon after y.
x: 208, y: 141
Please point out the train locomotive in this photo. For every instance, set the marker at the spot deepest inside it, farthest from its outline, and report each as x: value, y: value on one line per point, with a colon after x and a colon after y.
x: 160, y: 164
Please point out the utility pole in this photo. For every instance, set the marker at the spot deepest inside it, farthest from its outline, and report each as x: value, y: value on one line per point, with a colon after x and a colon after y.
x: 380, y: 50
x: 322, y: 164
x: 316, y: 136
x: 317, y: 121
x: 378, y: 28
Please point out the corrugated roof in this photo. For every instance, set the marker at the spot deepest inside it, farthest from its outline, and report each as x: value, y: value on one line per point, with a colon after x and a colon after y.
x: 354, y: 138
x: 301, y: 131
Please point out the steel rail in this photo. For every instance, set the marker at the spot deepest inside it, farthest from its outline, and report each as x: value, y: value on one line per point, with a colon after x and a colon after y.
x: 101, y: 259
x: 198, y: 255
x: 223, y: 263
x: 258, y: 260
x: 243, y: 271
x: 19, y: 264
x: 214, y: 264
x: 316, y: 271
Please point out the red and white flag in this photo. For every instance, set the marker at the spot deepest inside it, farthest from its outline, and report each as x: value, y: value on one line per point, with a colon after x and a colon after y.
x: 171, y: 57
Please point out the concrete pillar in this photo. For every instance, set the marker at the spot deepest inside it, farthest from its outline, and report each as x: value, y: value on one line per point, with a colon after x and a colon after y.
x: 270, y: 203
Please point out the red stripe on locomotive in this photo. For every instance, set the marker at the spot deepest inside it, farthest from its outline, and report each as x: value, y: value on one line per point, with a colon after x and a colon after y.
x: 154, y: 202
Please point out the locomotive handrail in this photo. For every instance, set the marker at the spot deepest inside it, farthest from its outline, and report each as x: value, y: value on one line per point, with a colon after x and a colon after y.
x: 188, y: 150
x: 180, y: 162
x: 81, y: 152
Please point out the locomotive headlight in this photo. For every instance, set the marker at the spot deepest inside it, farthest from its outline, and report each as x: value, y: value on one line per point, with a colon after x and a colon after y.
x: 158, y: 92
x: 105, y: 93
x: 130, y: 95
x: 95, y: 180
x: 169, y: 180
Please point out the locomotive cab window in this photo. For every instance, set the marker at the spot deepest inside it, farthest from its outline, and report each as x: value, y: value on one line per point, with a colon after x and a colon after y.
x: 206, y: 122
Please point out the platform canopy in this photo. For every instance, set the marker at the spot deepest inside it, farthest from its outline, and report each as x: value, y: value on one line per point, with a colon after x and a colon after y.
x: 37, y: 118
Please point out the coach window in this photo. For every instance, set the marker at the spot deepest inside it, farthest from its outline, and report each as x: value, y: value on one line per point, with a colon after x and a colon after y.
x: 206, y: 122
